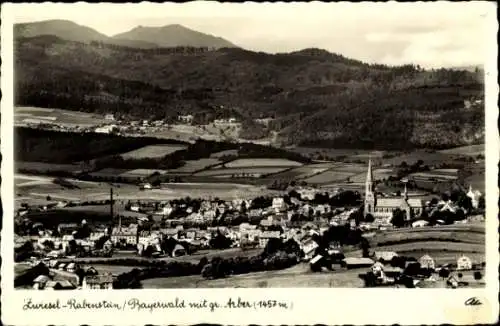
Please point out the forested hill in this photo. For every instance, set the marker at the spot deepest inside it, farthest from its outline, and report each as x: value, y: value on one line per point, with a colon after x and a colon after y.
x: 316, y: 97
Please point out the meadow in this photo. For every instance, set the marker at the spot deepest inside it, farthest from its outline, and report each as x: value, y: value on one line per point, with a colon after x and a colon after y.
x: 471, y: 150
x: 428, y: 157
x: 240, y: 172
x: 328, y: 177
x: 192, y: 166
x: 25, y: 115
x: 41, y: 168
x: 153, y: 151
x: 296, y: 276
x: 261, y: 162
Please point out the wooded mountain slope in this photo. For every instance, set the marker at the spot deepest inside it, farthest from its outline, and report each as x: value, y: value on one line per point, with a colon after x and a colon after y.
x: 316, y: 97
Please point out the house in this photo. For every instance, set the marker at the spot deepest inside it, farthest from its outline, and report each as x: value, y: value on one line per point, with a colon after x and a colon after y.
x: 452, y: 281
x: 394, y: 272
x: 426, y: 261
x: 419, y: 224
x: 385, y: 256
x: 135, y: 207
x: 71, y: 267
x: 474, y: 196
x: 355, y: 262
x: 188, y: 119
x: 59, y: 285
x: 67, y: 228
x: 124, y: 235
x: 265, y: 236
x: 279, y: 204
x: 316, y: 260
x: 178, y: 250
x: 40, y: 281
x: 97, y: 282
x: 109, y: 116
x: 105, y: 129
x: 308, y: 247
x: 464, y: 263
x: 377, y: 268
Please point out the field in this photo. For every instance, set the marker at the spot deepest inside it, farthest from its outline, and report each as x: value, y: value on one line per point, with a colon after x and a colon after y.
x: 329, y: 177
x: 434, y: 175
x: 471, y: 150
x: 296, y: 276
x: 39, y: 167
x: 261, y: 162
x: 343, y: 154
x: 196, y: 165
x: 124, y: 173
x: 153, y: 151
x: 429, y: 158
x: 477, y: 181
x: 26, y: 115
x: 34, y: 190
x: 444, y: 243
x: 378, y: 174
x: 240, y: 172
x: 341, y: 172
x: 224, y: 153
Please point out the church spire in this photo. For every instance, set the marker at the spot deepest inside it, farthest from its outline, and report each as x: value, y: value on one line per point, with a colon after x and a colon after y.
x: 369, y: 175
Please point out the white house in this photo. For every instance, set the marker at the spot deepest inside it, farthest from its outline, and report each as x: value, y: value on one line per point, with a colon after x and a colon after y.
x: 308, y: 248
x: 279, y: 204
x: 96, y: 282
x: 265, y: 236
x: 419, y: 224
x: 474, y: 196
x: 464, y: 263
x: 105, y: 129
x: 426, y: 261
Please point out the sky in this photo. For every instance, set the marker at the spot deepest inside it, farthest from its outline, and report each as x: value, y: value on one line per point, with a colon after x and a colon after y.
x: 434, y: 34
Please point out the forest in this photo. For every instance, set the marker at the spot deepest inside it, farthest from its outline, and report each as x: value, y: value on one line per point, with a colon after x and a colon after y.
x: 316, y: 97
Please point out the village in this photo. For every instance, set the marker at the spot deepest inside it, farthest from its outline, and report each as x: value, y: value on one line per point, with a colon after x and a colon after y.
x: 311, y: 226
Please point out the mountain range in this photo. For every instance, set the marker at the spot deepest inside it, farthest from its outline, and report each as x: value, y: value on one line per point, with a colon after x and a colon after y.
x: 139, y: 37
x: 312, y: 96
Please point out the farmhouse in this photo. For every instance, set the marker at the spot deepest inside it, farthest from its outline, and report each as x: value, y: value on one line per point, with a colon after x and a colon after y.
x: 383, y: 207
x: 385, y: 255
x: 40, y: 281
x: 426, y: 261
x: 59, y: 285
x: 104, y: 281
x: 464, y: 263
x: 474, y: 196
x: 105, y: 129
x: 265, y: 236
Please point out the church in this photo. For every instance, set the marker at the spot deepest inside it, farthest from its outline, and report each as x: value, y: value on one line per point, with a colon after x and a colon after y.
x: 383, y: 207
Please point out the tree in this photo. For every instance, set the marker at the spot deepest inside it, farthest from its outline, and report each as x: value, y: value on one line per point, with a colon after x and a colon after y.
x: 365, y: 247
x: 412, y: 269
x: 369, y: 218
x: 477, y: 275
x: 220, y: 241
x: 444, y: 273
x: 460, y: 275
x: 398, y: 218
x: 272, y: 246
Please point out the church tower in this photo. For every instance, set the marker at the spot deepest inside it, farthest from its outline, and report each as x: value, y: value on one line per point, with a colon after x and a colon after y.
x: 370, y: 200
